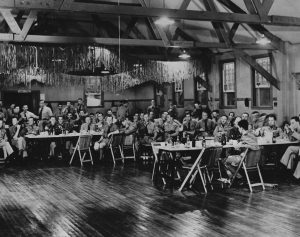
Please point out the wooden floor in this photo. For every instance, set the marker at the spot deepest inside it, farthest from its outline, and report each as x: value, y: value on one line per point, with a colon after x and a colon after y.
x: 122, y: 201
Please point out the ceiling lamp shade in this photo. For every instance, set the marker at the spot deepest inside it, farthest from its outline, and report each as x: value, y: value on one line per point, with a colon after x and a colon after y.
x: 164, y: 21
x: 262, y: 40
x: 184, y: 55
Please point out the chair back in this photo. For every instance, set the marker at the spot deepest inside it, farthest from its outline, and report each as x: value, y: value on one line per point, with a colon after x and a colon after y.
x: 155, y: 148
x: 210, y: 156
x: 84, y: 142
x: 129, y: 140
x: 116, y: 140
x: 252, y: 158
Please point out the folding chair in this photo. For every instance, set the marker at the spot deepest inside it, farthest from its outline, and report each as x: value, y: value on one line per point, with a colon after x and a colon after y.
x: 115, y: 146
x: 128, y: 146
x: 250, y: 162
x: 83, y: 145
x: 155, y: 148
x: 204, y: 162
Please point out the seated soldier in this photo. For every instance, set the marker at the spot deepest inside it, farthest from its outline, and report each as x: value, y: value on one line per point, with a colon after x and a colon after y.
x: 146, y: 131
x: 69, y: 123
x: 171, y: 128
x: 88, y: 125
x: 109, y: 129
x: 53, y: 129
x: 270, y: 128
x: 294, y: 135
x: 4, y: 144
x: 17, y: 140
x: 222, y: 128
x: 205, y: 126
x: 234, y: 133
x: 31, y: 128
x: 189, y: 127
x: 248, y: 140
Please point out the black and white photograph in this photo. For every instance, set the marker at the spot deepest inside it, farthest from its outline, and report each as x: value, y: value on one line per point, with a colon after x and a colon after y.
x: 149, y: 118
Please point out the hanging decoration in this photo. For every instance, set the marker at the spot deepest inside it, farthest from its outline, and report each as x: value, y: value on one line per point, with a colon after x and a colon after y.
x: 72, y: 65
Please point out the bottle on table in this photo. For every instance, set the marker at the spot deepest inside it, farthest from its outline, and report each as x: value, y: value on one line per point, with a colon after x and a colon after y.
x: 177, y: 141
x: 203, y: 142
x: 223, y: 139
x: 273, y: 138
x: 188, y: 142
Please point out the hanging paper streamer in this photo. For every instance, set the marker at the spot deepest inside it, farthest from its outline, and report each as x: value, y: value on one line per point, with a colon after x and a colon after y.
x: 53, y: 66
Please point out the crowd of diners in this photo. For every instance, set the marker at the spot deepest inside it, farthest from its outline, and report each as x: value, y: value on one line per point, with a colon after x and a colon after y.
x: 147, y: 126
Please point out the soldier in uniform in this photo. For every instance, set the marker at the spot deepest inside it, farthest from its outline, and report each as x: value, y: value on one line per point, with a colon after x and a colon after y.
x: 222, y: 128
x: 189, y: 127
x: 171, y: 128
x: 109, y: 129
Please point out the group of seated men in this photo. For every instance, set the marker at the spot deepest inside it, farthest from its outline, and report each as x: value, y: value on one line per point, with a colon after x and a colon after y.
x: 146, y: 127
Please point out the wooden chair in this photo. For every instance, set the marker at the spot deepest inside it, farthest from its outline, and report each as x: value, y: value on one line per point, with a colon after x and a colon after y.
x: 250, y: 161
x: 202, y: 165
x: 155, y: 148
x: 115, y: 146
x: 83, y: 145
x: 129, y: 146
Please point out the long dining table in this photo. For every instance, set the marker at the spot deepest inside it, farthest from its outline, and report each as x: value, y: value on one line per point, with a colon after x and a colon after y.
x: 43, y: 140
x: 170, y: 149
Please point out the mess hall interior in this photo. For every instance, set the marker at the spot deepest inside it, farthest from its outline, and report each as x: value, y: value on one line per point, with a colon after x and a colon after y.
x: 149, y: 117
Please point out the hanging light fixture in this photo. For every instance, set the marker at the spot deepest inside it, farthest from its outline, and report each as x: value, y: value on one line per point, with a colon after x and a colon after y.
x: 184, y: 55
x: 262, y: 40
x: 164, y: 20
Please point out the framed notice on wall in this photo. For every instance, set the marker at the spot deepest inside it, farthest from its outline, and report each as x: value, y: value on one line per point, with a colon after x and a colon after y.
x: 93, y: 92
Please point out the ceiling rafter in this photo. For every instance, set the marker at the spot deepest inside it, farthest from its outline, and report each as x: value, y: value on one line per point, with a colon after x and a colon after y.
x: 263, y: 8
x: 276, y: 41
x: 218, y: 26
x: 249, y: 60
x: 156, y: 28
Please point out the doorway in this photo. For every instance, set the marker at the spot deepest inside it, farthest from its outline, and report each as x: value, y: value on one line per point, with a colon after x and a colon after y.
x: 22, y: 97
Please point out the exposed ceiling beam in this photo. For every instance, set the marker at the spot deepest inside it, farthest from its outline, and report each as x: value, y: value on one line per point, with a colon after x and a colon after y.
x: 233, y: 31
x: 249, y: 60
x: 250, y: 7
x: 263, y: 7
x: 276, y: 41
x: 28, y: 23
x: 159, y: 29
x: 218, y: 26
x: 129, y: 28
x: 11, y: 21
x: 47, y: 39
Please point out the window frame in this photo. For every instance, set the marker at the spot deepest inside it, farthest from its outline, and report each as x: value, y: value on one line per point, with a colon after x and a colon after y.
x: 174, y: 91
x: 221, y: 63
x: 253, y: 87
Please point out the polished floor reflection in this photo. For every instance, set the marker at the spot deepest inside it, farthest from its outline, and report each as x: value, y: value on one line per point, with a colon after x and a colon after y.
x: 122, y: 201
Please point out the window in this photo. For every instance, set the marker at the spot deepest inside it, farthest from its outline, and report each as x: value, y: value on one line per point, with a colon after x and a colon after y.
x: 228, y: 86
x: 178, y: 98
x: 262, y: 91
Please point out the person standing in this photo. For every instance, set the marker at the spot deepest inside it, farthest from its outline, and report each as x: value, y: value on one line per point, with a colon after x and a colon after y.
x: 25, y: 114
x: 122, y: 111
x: 44, y: 115
x: 153, y: 108
x: 197, y: 112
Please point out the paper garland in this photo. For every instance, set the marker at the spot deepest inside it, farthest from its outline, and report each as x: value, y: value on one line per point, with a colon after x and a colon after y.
x: 51, y: 66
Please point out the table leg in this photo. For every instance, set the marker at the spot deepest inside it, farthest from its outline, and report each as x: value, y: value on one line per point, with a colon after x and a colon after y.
x: 192, y: 170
